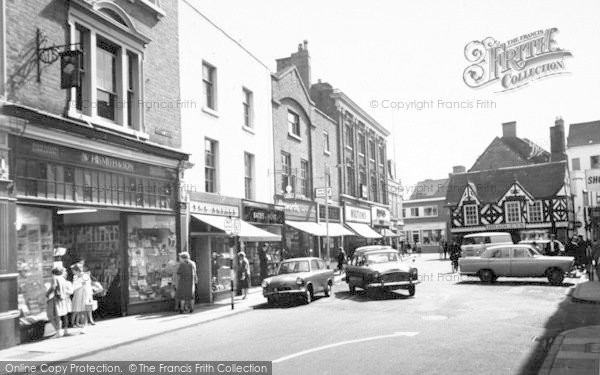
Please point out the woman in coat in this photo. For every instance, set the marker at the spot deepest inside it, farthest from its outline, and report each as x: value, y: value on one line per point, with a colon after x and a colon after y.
x: 454, y: 255
x: 244, y: 273
x: 186, y: 282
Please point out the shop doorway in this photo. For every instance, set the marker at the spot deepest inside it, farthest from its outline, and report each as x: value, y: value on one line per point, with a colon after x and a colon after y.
x: 93, y: 239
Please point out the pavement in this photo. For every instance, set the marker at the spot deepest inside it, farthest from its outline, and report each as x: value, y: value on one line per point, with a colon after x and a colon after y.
x: 112, y: 333
x: 577, y: 351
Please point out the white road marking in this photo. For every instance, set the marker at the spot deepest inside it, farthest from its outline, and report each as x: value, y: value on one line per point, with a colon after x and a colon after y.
x: 304, y: 352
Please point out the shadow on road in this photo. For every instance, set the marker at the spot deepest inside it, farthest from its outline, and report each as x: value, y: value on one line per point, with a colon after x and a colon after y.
x: 370, y: 295
x: 285, y: 303
x: 569, y: 315
x: 513, y: 283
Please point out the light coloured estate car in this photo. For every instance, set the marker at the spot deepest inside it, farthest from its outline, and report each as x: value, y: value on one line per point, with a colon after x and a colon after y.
x: 299, y: 277
x: 515, y: 261
x: 474, y: 244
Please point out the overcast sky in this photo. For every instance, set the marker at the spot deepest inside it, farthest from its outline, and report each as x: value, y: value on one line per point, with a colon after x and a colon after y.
x: 414, y: 51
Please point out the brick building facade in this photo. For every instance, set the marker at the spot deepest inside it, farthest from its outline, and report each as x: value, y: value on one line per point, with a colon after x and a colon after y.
x: 92, y: 170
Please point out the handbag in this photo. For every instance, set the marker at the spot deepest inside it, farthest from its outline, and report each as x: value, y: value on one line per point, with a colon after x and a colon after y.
x: 94, y: 305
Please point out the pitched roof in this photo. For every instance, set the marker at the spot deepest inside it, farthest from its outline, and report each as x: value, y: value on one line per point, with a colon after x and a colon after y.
x: 430, y: 189
x: 527, y: 149
x: 583, y: 134
x: 540, y: 180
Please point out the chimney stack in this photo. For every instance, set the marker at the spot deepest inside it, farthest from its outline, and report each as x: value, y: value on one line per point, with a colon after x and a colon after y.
x: 557, y: 140
x: 509, y: 129
x: 459, y: 169
x: 301, y: 59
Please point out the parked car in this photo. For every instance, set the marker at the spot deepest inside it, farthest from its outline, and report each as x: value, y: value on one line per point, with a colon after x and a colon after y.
x: 544, y: 246
x: 474, y: 244
x: 299, y: 277
x: 380, y: 267
x: 516, y: 261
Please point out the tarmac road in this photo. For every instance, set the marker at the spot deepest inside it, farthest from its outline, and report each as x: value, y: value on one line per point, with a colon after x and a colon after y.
x: 453, y: 325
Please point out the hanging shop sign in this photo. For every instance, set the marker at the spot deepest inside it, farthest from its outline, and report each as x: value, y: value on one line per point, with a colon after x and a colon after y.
x: 381, y: 216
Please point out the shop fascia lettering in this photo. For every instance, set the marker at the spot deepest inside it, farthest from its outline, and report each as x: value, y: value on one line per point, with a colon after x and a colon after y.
x: 380, y: 215
x: 356, y: 214
x: 214, y: 209
x: 294, y: 207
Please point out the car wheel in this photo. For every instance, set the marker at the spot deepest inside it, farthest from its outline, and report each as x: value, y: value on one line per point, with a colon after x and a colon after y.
x: 328, y: 289
x: 351, y: 288
x: 412, y: 289
x: 556, y: 277
x: 486, y: 276
x: 308, y: 296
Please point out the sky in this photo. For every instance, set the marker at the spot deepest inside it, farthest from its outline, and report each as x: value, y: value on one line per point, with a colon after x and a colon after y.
x: 414, y: 51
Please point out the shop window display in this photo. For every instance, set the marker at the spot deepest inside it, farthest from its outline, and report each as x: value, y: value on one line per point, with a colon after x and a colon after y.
x: 221, y: 264
x: 259, y: 256
x: 152, y: 250
x: 35, y: 257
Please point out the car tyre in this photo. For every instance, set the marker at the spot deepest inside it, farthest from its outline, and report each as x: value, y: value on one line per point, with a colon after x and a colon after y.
x: 327, y: 290
x: 556, y: 276
x: 308, y: 296
x: 412, y: 289
x: 487, y: 276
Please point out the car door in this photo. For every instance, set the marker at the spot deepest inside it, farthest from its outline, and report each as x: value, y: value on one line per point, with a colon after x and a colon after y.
x: 499, y: 261
x: 521, y: 262
x: 317, y: 275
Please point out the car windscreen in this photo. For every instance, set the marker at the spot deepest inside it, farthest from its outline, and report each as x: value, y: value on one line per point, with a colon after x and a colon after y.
x: 293, y: 267
x: 382, y: 257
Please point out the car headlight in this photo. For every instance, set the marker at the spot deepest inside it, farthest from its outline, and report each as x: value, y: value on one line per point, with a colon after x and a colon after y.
x: 414, y: 273
x: 375, y: 275
x: 299, y: 281
x: 264, y: 284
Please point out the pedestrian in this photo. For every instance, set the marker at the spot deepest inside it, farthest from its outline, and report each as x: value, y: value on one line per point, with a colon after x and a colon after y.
x: 596, y: 256
x: 244, y: 273
x: 82, y: 296
x: 445, y: 249
x: 580, y: 253
x: 59, y: 301
x: 409, y: 249
x: 186, y: 283
x: 418, y: 248
x: 262, y: 257
x: 454, y: 255
x: 341, y: 259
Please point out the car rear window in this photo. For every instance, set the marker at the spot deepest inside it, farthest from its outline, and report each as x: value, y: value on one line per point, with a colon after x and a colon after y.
x: 502, y: 238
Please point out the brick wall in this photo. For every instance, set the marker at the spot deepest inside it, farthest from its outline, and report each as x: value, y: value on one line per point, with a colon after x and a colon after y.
x: 161, y: 64
x: 320, y: 158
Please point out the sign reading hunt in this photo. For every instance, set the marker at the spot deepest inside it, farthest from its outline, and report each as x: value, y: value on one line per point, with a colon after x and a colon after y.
x: 592, y: 179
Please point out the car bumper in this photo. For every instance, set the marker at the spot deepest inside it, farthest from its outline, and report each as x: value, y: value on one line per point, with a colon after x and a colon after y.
x: 284, y: 292
x: 396, y: 284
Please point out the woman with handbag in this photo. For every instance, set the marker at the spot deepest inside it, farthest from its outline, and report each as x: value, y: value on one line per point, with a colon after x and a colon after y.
x: 59, y: 301
x: 244, y: 273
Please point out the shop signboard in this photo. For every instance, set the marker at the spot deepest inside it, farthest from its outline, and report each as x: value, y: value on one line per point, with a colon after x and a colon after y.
x: 206, y: 208
x: 262, y: 213
x: 592, y: 179
x: 381, y: 216
x: 296, y: 209
x: 356, y: 214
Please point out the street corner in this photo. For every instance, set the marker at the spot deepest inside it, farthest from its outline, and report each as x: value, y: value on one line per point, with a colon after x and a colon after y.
x: 574, y: 351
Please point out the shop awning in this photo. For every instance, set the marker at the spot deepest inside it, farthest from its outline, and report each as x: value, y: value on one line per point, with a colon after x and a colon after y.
x: 335, y: 230
x: 363, y: 230
x: 388, y: 233
x: 248, y: 232
x: 307, y: 226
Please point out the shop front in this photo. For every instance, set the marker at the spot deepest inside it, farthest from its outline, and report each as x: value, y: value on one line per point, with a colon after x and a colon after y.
x: 301, y: 230
x: 92, y: 206
x: 358, y: 219
x: 264, y: 256
x: 217, y: 234
x: 429, y: 235
x: 333, y: 218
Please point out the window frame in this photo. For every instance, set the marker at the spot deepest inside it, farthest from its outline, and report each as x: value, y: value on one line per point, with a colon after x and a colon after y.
x: 575, y: 162
x: 595, y: 162
x: 249, y: 175
x: 326, y: 148
x: 508, y: 214
x: 434, y: 208
x: 539, y: 204
x: 467, y: 215
x: 248, y: 107
x: 294, y: 127
x: 214, y: 152
x: 83, y: 101
x: 304, y: 178
x: 414, y: 210
x: 286, y: 170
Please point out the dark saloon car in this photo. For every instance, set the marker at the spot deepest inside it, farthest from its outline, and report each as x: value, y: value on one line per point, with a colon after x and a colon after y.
x: 380, y: 267
x: 299, y: 277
